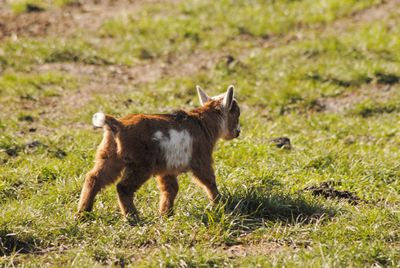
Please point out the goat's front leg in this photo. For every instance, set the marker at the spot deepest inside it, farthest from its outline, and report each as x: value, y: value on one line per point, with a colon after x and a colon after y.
x: 168, y: 186
x: 205, y: 177
x: 130, y: 182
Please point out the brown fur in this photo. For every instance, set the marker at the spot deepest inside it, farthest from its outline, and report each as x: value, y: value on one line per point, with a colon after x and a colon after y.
x: 129, y: 150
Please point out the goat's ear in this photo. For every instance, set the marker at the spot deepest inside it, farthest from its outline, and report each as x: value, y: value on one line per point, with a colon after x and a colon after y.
x: 203, y: 97
x: 228, y: 98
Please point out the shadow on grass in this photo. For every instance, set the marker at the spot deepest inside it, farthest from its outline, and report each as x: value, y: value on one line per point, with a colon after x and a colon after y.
x: 356, y: 82
x: 378, y: 77
x: 276, y: 208
x: 251, y: 208
x: 75, y: 55
x: 13, y: 243
x: 370, y: 108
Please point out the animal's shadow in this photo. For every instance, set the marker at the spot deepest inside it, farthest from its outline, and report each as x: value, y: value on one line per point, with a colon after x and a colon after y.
x: 10, y: 243
x: 251, y: 208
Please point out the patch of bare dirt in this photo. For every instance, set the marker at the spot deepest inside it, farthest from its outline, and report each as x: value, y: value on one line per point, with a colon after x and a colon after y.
x: 327, y: 190
x: 374, y: 13
x: 100, y: 79
x: 348, y: 100
x: 64, y: 21
x: 282, y: 142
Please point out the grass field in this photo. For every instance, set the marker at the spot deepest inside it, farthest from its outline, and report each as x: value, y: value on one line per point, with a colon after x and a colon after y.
x: 324, y: 73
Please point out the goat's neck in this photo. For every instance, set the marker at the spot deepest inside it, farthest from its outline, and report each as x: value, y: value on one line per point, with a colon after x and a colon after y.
x: 212, y: 122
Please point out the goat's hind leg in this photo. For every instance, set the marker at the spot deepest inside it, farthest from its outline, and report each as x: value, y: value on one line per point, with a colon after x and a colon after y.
x: 106, y: 171
x: 131, y: 181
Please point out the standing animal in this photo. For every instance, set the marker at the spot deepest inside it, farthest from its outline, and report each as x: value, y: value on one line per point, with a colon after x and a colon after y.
x: 138, y: 146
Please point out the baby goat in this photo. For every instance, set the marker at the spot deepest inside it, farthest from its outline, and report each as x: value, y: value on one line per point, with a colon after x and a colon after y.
x: 141, y: 145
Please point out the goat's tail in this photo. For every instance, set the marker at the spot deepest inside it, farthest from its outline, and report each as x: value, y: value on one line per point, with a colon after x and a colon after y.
x: 100, y: 120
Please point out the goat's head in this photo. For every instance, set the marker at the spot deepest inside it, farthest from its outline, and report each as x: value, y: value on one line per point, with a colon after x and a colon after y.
x: 226, y: 102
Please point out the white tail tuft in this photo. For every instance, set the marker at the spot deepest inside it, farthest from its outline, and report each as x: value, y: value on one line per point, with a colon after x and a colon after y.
x: 99, y: 119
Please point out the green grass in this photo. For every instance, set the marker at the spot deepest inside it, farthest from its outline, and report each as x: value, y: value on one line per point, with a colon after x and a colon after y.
x: 159, y: 31
x: 47, y: 143
x: 24, y: 54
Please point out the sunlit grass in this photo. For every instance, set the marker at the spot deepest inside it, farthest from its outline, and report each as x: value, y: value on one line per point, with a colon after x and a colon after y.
x: 47, y: 147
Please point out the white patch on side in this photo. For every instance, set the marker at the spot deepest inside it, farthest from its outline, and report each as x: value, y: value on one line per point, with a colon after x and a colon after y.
x: 177, y: 148
x: 99, y: 119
